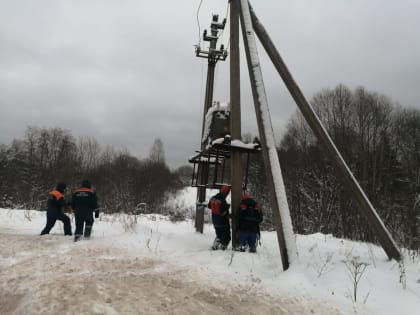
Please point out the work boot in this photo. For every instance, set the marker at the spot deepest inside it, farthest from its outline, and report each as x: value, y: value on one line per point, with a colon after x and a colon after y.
x: 88, y: 230
x: 216, y: 244
x: 77, y: 237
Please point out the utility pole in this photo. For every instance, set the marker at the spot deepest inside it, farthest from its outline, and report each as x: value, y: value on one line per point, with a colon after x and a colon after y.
x: 342, y: 171
x: 213, y: 55
x: 241, y: 10
x: 235, y: 116
x: 279, y: 205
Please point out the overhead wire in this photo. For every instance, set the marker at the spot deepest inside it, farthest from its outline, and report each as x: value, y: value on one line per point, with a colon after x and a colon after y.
x: 226, y: 16
x: 198, y: 22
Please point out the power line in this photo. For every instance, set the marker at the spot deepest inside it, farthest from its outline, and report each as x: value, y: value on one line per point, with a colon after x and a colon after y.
x: 226, y: 16
x: 198, y: 22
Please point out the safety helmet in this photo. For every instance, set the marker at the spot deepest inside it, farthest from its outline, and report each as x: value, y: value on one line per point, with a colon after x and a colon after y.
x: 225, y: 189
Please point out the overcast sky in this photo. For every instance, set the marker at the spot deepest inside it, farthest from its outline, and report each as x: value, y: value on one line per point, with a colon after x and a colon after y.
x: 125, y: 71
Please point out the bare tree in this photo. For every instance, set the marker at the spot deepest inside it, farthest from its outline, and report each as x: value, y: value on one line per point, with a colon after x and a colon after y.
x: 157, y: 153
x: 88, y: 154
x: 379, y: 143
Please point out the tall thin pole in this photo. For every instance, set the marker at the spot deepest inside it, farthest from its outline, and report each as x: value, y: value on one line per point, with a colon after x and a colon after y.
x: 204, y: 168
x: 235, y: 116
x: 327, y: 145
x: 279, y: 204
x: 213, y: 55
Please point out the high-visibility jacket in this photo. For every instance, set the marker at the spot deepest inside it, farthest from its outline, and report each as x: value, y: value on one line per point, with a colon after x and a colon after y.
x: 55, y: 203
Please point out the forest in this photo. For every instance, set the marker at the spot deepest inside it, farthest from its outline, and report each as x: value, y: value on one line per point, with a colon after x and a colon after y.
x: 30, y: 168
x: 378, y: 138
x: 380, y: 142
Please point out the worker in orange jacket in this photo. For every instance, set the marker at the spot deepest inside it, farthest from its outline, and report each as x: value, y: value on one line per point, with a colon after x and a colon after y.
x: 55, y: 210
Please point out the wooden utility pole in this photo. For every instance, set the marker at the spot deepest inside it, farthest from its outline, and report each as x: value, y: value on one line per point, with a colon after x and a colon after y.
x: 213, y: 55
x: 235, y: 116
x: 279, y: 206
x: 342, y: 170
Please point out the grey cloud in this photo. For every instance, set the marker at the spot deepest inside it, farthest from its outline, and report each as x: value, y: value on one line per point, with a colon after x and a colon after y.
x: 125, y: 71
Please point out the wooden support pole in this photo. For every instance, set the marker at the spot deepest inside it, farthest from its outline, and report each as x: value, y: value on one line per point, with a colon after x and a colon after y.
x: 271, y: 161
x: 235, y: 117
x: 327, y: 145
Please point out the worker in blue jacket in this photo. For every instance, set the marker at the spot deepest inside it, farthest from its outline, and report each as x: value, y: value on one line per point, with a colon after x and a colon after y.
x: 84, y: 203
x: 220, y: 217
x: 55, y: 210
x: 249, y: 217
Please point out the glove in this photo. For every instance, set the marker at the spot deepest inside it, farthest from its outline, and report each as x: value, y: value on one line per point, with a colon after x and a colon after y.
x: 97, y: 214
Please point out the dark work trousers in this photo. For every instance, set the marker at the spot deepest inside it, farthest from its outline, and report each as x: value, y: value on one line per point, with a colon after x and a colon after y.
x: 51, y: 218
x: 83, y: 221
x: 249, y: 238
x: 223, y: 234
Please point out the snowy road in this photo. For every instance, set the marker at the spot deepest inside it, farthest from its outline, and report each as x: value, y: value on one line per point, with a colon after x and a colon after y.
x: 52, y: 275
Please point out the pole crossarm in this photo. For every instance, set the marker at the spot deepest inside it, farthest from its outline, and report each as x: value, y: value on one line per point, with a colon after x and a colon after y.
x: 327, y: 145
x: 213, y: 54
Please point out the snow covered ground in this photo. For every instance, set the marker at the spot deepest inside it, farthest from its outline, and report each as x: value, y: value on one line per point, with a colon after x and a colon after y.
x: 155, y: 266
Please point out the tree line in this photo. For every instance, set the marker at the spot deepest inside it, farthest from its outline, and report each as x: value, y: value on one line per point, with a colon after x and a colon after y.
x: 30, y: 168
x: 380, y: 142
